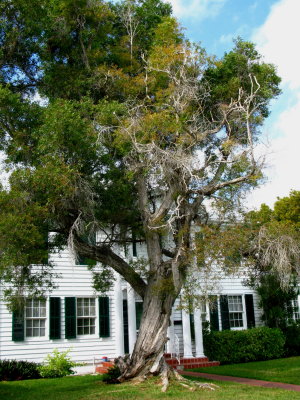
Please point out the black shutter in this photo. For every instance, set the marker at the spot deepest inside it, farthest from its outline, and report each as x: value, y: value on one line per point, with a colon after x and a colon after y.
x: 18, y: 325
x: 224, y: 312
x: 54, y: 321
x: 125, y: 327
x: 104, y: 323
x: 214, y: 314
x: 134, y: 250
x: 250, y: 310
x: 138, y: 313
x: 70, y: 317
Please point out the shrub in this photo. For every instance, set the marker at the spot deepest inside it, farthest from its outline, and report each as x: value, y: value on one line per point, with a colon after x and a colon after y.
x: 57, y: 364
x: 112, y: 375
x: 292, y: 340
x: 255, y: 344
x: 13, y: 370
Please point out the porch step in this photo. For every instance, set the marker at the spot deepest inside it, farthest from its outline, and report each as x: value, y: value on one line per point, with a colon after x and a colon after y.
x: 185, y: 363
x: 102, y: 368
x: 188, y: 363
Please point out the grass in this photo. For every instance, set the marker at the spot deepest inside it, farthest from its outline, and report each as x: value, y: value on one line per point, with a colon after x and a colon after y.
x: 92, y: 388
x: 286, y: 370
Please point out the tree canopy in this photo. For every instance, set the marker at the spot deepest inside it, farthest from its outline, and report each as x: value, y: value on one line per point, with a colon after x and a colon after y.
x: 266, y: 240
x: 113, y: 122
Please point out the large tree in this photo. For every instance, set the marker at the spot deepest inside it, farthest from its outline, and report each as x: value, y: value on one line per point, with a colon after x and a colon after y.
x: 133, y: 132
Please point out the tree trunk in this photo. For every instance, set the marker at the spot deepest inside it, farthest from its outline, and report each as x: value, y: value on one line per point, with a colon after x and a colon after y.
x: 147, y: 357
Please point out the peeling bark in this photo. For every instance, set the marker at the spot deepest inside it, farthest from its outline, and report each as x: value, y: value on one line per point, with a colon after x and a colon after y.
x: 147, y: 358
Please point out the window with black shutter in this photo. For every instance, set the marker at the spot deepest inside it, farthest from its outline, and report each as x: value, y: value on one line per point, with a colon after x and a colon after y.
x: 224, y: 312
x: 55, y: 318
x: 250, y: 310
x: 214, y: 314
x: 18, y: 325
x: 104, y: 320
x: 70, y: 317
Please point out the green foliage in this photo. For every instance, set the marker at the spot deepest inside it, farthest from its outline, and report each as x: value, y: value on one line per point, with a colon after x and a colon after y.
x: 13, y: 370
x: 103, y: 279
x: 288, y: 208
x: 57, y: 364
x: 226, y: 76
x: 255, y: 344
x: 276, y: 302
x: 292, y: 339
x: 112, y: 375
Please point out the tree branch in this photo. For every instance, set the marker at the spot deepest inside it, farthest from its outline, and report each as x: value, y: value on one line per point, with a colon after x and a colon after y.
x: 210, y: 189
x: 105, y: 255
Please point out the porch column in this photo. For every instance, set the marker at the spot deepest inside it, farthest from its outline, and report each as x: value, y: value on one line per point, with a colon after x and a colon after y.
x: 171, y: 336
x: 131, y: 317
x: 119, y: 316
x: 198, y: 333
x: 186, y: 330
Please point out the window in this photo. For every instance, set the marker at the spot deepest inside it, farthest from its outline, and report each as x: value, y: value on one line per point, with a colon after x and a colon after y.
x: 235, y: 307
x: 86, y: 316
x: 203, y: 311
x: 296, y: 313
x: 35, y: 318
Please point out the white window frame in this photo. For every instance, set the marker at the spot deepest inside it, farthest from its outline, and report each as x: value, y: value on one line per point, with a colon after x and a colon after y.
x: 39, y: 318
x: 243, y: 312
x: 96, y: 332
x: 295, y: 303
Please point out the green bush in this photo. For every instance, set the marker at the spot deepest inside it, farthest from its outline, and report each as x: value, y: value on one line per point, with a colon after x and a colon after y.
x: 57, y: 364
x: 255, y: 344
x: 292, y: 340
x: 13, y: 370
x: 112, y: 375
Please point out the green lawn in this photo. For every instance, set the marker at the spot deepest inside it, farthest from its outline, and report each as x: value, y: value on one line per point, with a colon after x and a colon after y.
x: 92, y: 388
x: 285, y: 370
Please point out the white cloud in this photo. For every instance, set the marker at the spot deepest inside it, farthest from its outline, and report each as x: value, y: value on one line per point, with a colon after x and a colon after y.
x: 277, y: 41
x: 225, y: 39
x: 198, y: 9
x: 283, y: 160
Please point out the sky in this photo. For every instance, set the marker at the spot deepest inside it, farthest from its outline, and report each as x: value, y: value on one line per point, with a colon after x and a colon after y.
x: 275, y: 28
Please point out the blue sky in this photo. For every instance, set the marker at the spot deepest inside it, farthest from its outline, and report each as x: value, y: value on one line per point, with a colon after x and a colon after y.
x: 274, y: 26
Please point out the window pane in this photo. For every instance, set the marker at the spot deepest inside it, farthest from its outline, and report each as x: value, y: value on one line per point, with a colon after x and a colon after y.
x: 80, y: 331
x: 86, y: 326
x: 28, y: 312
x: 35, y: 318
x: 36, y: 332
x: 235, y: 306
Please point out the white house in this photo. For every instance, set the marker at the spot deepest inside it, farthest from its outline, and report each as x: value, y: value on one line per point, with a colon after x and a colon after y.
x: 74, y: 317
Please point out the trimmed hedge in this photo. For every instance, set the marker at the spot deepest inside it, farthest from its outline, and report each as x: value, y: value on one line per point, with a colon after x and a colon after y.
x: 256, y: 344
x: 292, y: 340
x: 13, y: 370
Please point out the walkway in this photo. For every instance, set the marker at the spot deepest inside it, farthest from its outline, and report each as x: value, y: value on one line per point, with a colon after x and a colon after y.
x: 252, y: 382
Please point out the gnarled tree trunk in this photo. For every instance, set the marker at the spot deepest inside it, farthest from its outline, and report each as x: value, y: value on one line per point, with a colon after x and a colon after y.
x: 147, y: 357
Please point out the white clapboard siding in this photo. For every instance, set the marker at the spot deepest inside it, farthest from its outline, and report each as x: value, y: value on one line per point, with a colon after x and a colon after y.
x: 75, y: 281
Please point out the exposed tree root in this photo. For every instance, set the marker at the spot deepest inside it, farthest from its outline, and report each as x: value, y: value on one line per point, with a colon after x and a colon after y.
x: 160, y: 369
